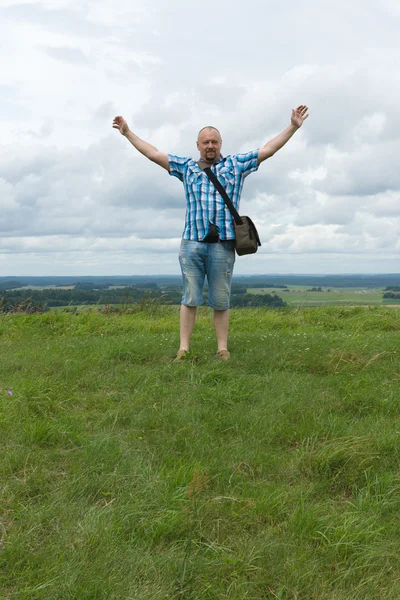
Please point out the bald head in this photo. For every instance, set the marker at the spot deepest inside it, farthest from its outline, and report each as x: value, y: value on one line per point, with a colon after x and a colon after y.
x: 210, y: 129
x: 209, y: 143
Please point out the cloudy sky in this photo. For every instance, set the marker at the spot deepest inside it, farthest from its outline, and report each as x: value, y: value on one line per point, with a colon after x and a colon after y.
x: 77, y: 199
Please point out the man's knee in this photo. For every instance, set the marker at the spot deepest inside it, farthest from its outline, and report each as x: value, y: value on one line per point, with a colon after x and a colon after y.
x: 192, y: 294
x: 219, y: 293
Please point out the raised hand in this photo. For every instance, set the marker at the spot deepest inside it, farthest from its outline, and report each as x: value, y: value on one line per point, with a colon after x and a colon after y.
x: 120, y: 124
x: 299, y: 115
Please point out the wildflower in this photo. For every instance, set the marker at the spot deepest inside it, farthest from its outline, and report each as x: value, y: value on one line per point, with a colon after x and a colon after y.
x: 9, y: 392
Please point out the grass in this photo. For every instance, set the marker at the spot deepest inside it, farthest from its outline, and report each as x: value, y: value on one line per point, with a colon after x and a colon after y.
x: 127, y: 476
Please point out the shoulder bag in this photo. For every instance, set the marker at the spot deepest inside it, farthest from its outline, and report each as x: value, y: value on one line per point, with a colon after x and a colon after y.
x: 246, y: 236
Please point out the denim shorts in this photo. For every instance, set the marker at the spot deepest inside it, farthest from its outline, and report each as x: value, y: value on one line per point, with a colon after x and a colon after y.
x: 198, y: 260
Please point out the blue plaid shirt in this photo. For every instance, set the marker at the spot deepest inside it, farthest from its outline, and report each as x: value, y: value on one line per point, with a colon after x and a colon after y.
x: 204, y: 204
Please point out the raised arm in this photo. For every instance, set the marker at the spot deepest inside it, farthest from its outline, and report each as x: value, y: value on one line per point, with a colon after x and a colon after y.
x: 151, y: 152
x: 298, y: 117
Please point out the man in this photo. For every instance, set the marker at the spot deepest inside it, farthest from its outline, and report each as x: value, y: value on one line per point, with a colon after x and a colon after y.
x: 207, y: 247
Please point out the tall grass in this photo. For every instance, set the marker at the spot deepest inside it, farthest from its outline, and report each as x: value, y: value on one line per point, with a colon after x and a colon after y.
x: 127, y: 476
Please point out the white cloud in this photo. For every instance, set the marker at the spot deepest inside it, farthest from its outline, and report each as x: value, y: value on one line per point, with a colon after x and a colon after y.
x: 75, y: 195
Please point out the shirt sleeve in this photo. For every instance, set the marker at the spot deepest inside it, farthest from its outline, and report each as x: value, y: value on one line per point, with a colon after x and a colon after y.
x: 177, y: 165
x: 247, y: 163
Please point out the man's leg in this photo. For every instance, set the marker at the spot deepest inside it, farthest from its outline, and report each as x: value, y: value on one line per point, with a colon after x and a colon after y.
x: 192, y: 261
x: 187, y: 319
x: 220, y: 262
x: 221, y: 324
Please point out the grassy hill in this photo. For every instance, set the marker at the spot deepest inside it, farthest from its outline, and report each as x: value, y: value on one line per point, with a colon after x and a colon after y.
x: 272, y: 476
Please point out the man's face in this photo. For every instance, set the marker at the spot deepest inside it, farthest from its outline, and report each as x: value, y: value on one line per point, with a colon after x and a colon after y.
x: 209, y: 144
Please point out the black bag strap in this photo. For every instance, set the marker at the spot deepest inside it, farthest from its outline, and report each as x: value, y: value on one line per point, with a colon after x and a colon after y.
x: 214, y: 179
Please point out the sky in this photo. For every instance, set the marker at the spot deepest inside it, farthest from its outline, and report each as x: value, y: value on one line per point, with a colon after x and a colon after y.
x: 76, y: 198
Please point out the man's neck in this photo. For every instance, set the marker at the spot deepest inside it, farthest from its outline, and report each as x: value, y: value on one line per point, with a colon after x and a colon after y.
x: 207, y: 163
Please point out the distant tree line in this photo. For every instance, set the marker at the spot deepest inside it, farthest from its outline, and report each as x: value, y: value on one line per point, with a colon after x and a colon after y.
x: 24, y: 299
x: 248, y: 281
x: 9, y: 285
x: 79, y: 295
x: 253, y: 300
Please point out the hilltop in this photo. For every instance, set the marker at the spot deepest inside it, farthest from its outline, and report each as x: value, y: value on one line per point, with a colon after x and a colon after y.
x: 274, y: 475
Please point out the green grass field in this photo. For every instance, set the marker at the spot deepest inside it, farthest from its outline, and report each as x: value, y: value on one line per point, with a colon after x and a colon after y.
x: 125, y: 476
x: 302, y: 296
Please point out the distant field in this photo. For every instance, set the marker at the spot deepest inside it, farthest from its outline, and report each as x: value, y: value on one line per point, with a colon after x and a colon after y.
x: 301, y: 296
x: 119, y: 287
x: 43, y: 287
x: 30, y: 287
